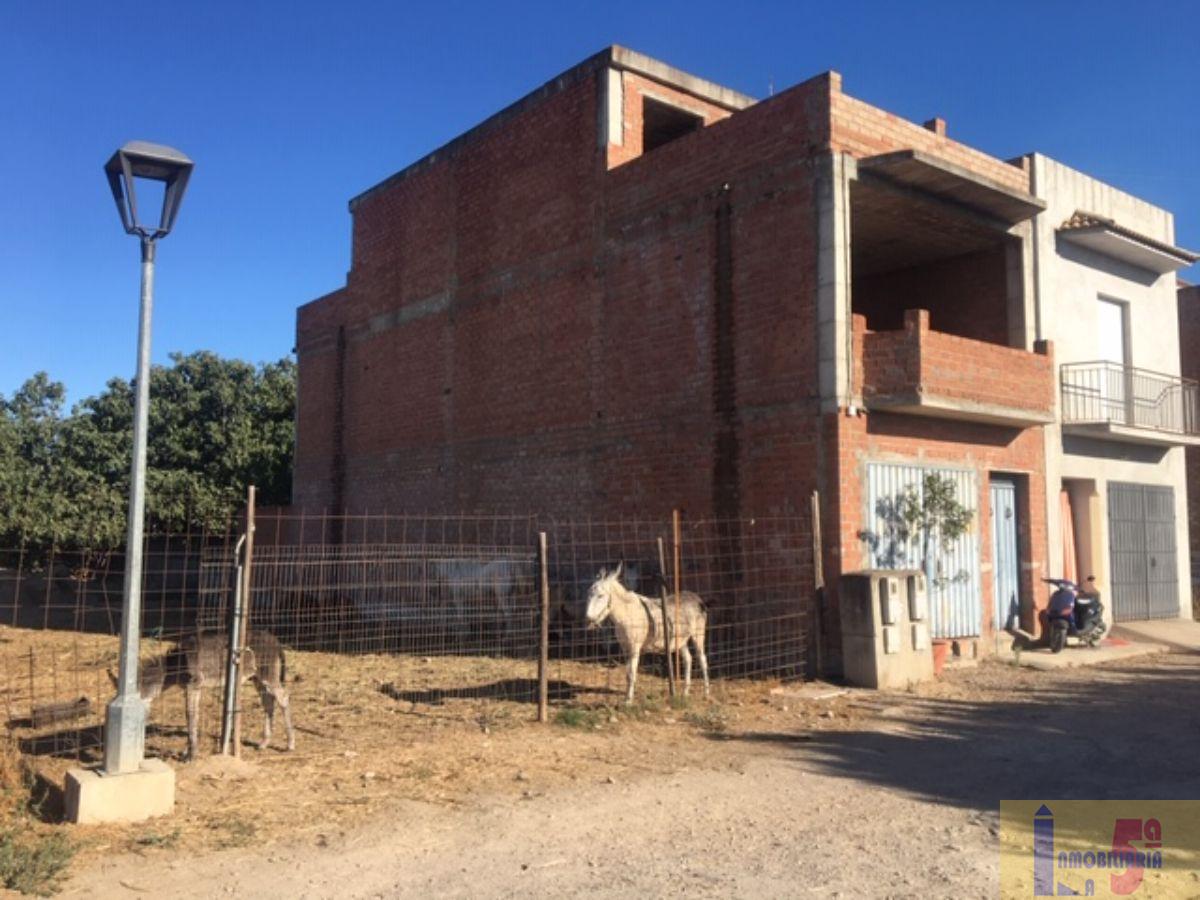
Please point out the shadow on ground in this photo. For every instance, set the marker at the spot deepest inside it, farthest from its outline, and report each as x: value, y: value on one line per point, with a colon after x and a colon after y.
x: 85, y: 743
x: 82, y: 743
x: 1126, y: 731
x: 516, y: 690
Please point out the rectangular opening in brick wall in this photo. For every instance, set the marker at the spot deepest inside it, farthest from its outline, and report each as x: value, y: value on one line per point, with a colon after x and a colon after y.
x: 912, y: 253
x: 663, y: 123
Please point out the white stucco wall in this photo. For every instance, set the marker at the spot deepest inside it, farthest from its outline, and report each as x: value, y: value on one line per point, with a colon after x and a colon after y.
x: 1070, y: 281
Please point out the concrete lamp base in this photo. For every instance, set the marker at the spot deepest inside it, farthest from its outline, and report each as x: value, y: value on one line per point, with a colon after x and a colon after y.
x: 93, y: 797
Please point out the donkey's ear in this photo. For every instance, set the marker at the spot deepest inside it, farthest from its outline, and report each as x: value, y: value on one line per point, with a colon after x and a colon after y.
x: 603, y: 573
x: 620, y: 566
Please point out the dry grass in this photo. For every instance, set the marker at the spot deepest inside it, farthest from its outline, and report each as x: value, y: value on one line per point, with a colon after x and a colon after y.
x: 34, y: 855
x: 376, y: 730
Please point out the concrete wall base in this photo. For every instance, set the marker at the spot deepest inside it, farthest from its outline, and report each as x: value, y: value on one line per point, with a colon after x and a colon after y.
x: 871, y: 604
x: 93, y: 797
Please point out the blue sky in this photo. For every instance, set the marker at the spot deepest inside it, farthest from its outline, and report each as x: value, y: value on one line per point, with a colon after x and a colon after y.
x: 289, y: 109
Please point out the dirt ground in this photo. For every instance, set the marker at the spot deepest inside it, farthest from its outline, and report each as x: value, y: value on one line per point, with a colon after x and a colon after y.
x: 771, y: 790
x: 371, y: 729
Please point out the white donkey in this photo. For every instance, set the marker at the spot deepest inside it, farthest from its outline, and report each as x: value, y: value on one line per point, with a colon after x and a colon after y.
x: 639, y: 623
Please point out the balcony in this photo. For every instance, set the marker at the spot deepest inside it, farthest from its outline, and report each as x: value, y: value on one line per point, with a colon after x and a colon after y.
x: 921, y: 372
x: 1120, y: 403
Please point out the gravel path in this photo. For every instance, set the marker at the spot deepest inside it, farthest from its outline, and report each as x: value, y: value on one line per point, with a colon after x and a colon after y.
x: 771, y: 829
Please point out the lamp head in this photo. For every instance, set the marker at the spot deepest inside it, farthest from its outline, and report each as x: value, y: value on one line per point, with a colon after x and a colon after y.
x: 140, y: 159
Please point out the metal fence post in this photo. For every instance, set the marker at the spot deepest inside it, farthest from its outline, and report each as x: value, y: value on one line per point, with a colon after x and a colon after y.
x: 244, y: 624
x: 232, y: 665
x: 818, y: 583
x: 667, y: 632
x: 544, y: 641
x: 677, y: 524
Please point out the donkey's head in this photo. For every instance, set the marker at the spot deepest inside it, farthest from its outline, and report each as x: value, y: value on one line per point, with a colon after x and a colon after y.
x: 152, y: 677
x: 599, y: 601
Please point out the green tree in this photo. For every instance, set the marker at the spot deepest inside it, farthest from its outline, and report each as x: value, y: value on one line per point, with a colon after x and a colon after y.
x: 34, y: 495
x: 921, y: 523
x: 216, y: 425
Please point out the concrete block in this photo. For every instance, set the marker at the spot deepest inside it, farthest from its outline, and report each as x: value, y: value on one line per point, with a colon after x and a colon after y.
x: 920, y: 637
x: 889, y: 600
x: 875, y: 653
x: 891, y: 639
x: 93, y: 797
x: 918, y: 597
x: 856, y: 607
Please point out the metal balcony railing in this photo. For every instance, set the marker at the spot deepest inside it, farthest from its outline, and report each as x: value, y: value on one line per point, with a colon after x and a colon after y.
x: 1106, y: 392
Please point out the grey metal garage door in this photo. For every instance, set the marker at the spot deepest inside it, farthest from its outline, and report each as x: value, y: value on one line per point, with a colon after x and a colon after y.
x: 1141, y: 539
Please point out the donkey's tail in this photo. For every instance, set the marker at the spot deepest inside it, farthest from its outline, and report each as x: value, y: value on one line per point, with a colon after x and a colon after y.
x: 282, y: 666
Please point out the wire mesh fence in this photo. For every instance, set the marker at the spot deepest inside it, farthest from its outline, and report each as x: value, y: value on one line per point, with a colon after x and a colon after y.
x: 60, y: 614
x: 406, y: 611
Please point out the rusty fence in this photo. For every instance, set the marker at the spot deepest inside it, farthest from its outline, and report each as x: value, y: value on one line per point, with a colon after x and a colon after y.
x: 406, y: 611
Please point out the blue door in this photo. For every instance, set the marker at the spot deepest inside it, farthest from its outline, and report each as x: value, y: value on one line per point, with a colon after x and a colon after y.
x: 1005, y: 560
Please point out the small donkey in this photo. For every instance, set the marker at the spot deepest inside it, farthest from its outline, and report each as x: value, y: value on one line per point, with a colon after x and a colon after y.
x: 200, y: 660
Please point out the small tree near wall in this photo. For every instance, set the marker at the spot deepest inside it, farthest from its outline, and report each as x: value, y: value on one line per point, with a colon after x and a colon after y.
x: 921, y: 523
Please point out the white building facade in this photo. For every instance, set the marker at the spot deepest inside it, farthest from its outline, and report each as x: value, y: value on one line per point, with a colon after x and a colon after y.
x: 1104, y: 265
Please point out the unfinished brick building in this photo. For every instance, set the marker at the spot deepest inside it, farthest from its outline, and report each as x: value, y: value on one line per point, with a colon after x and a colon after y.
x: 634, y: 290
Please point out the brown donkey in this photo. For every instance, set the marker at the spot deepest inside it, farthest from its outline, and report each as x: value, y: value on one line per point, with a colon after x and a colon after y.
x: 199, y: 661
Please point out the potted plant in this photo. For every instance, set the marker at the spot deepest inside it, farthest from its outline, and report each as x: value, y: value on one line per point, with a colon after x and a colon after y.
x: 941, y: 652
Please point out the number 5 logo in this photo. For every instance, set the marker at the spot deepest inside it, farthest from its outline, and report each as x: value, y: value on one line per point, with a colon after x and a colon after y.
x: 1125, y: 832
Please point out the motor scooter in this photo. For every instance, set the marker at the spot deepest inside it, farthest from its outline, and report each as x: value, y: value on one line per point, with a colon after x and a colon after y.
x: 1073, y: 612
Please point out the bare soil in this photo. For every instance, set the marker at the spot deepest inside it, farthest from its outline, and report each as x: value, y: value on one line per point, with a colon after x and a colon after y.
x: 770, y: 790
x: 372, y: 730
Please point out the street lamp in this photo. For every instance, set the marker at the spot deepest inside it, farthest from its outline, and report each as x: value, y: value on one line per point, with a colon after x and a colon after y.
x: 125, y: 723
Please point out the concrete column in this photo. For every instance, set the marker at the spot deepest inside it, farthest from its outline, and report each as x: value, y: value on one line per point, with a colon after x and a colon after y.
x: 834, y: 174
x: 1021, y: 290
x: 611, y: 127
x: 1038, y: 274
x: 1183, y: 550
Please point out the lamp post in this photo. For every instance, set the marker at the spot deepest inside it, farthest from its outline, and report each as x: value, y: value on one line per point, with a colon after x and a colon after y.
x: 125, y: 722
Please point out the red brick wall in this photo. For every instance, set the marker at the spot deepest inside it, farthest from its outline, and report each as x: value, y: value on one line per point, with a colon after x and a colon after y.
x: 864, y: 130
x: 917, y: 360
x: 886, y: 437
x: 922, y: 360
x: 1189, y: 331
x: 525, y: 329
x: 852, y: 441
x: 965, y: 295
x: 1189, y: 362
x: 636, y: 87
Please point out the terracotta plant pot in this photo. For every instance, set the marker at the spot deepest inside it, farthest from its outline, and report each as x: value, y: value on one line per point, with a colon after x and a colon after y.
x: 941, y: 650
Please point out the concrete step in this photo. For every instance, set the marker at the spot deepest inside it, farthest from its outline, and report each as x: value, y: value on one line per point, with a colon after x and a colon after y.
x: 1109, y: 650
x: 1178, y: 634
